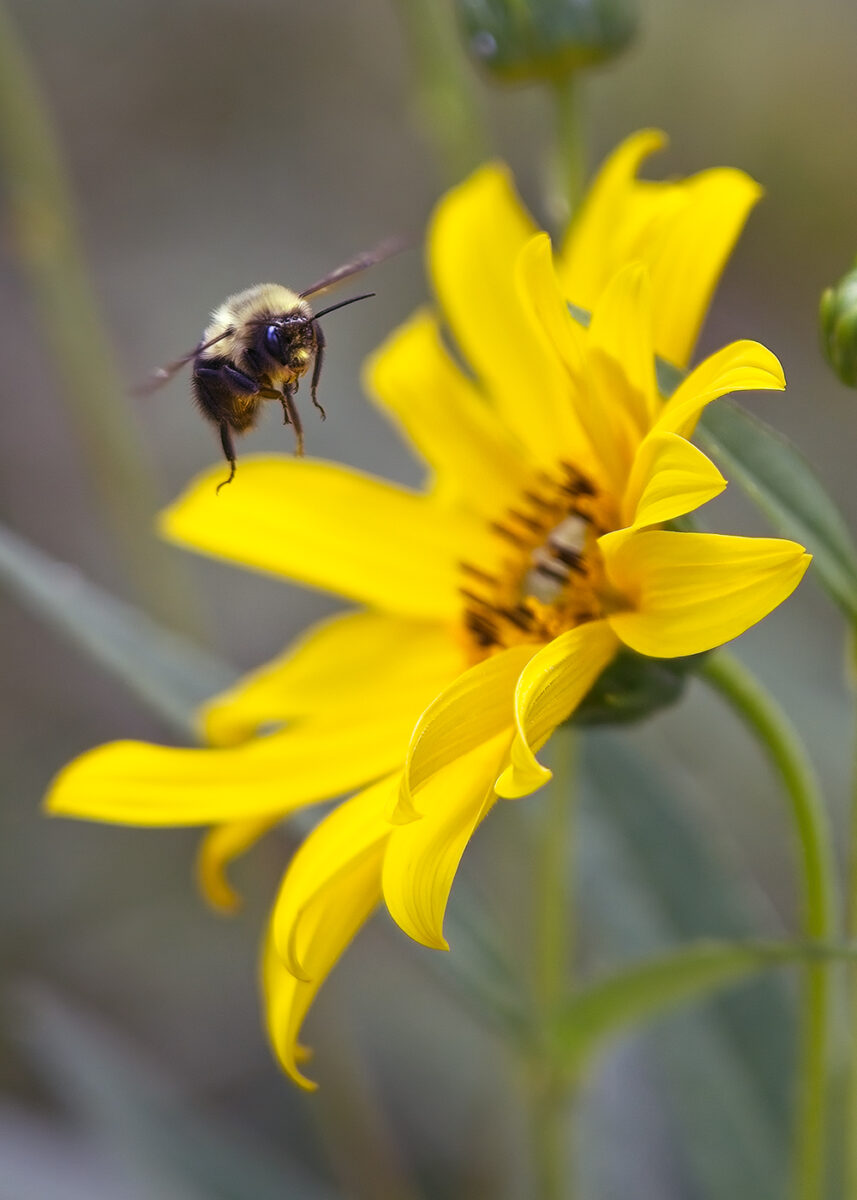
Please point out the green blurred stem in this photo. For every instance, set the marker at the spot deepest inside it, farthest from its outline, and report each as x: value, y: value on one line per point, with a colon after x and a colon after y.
x: 46, y: 241
x: 551, y: 973
x: 569, y: 161
x: 783, y: 746
x: 850, y: 1123
x: 444, y: 90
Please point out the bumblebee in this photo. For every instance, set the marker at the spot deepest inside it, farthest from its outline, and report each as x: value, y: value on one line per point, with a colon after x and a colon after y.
x: 258, y: 346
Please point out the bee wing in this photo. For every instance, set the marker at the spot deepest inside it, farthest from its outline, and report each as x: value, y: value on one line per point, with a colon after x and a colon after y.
x: 386, y: 249
x: 156, y: 379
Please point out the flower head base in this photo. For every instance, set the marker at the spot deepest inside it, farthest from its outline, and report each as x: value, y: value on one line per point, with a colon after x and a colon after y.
x: 538, y: 557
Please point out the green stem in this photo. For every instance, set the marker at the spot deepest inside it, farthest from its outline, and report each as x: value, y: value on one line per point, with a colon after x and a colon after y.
x: 850, y: 1123
x: 444, y: 92
x: 783, y: 746
x: 569, y: 164
x: 551, y: 970
x: 48, y: 248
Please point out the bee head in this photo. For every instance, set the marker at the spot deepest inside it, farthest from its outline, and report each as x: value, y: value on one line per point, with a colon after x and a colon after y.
x: 280, y: 336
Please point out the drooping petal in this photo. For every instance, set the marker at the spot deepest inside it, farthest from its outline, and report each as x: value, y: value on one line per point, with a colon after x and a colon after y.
x: 328, y: 526
x: 328, y: 925
x: 683, y: 230
x: 476, y: 461
x: 738, y: 367
x: 670, y: 477
x: 474, y: 239
x: 549, y: 690
x: 473, y: 709
x: 132, y: 783
x: 689, y: 592
x: 338, y: 670
x: 421, y: 858
x: 355, y: 830
x: 218, y: 848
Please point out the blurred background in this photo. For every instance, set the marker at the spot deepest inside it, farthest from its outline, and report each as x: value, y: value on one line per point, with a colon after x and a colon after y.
x: 210, y: 145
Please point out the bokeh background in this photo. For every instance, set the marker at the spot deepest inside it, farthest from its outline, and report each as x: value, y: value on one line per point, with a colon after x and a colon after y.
x: 212, y: 144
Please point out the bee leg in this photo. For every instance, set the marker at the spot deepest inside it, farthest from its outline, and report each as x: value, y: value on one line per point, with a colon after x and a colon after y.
x: 320, y: 344
x: 294, y: 418
x: 229, y: 451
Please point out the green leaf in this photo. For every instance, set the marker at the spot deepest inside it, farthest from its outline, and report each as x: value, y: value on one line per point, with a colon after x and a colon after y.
x: 162, y: 668
x: 628, y: 997
x: 777, y: 477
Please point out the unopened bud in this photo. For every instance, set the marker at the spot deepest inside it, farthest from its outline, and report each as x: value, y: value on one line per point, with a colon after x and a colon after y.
x: 838, y: 319
x: 538, y: 39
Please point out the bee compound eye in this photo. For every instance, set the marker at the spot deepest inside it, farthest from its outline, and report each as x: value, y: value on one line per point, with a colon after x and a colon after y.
x: 272, y: 340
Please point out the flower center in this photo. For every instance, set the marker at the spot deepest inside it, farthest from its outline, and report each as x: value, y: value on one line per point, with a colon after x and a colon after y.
x: 552, y: 576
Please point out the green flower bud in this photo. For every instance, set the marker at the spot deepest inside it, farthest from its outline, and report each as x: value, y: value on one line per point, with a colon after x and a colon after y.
x: 538, y: 39
x: 633, y: 686
x: 838, y: 320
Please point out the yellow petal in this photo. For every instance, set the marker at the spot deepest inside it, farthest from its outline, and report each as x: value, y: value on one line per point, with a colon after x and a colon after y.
x: 218, y: 848
x: 353, y: 831
x: 475, y: 236
x: 670, y: 477
x: 689, y: 592
x: 683, y: 230
x: 622, y: 327
x: 687, y: 268
x: 549, y: 690
x: 132, y: 783
x: 421, y: 858
x: 324, y: 525
x: 738, y: 367
x: 616, y: 211
x: 329, y: 923
x: 476, y: 461
x: 472, y: 710
x: 339, y: 670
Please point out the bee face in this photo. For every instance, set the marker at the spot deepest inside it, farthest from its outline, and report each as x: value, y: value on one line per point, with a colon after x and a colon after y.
x: 282, y: 337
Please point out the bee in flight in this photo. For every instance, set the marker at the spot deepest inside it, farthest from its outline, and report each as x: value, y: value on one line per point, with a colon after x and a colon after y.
x: 258, y: 346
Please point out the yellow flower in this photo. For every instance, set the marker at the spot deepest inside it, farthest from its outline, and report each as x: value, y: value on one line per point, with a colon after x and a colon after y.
x: 494, y: 598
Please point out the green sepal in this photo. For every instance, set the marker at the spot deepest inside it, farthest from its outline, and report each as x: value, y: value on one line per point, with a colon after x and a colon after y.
x: 838, y: 326
x: 633, y: 687
x: 519, y: 40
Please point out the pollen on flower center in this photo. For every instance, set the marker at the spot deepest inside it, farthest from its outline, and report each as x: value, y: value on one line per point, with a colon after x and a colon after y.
x: 551, y: 577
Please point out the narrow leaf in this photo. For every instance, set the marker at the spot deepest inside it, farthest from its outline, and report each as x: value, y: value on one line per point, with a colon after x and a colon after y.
x: 165, y: 670
x: 777, y: 478
x: 628, y: 997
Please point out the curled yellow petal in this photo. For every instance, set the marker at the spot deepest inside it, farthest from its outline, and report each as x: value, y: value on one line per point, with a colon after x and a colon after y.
x: 690, y: 592
x: 330, y: 527
x: 353, y: 831
x: 622, y: 327
x: 670, y: 477
x: 337, y: 671
x: 740, y: 367
x: 329, y: 923
x: 218, y: 848
x: 549, y: 690
x: 473, y: 709
x: 421, y: 858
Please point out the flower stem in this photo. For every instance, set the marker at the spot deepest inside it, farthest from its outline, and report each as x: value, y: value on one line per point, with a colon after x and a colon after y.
x: 52, y: 260
x: 551, y: 969
x: 783, y: 746
x: 569, y: 164
x: 850, y: 1122
x: 444, y: 92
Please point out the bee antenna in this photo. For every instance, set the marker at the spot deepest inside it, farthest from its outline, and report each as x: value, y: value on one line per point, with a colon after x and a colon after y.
x: 342, y: 304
